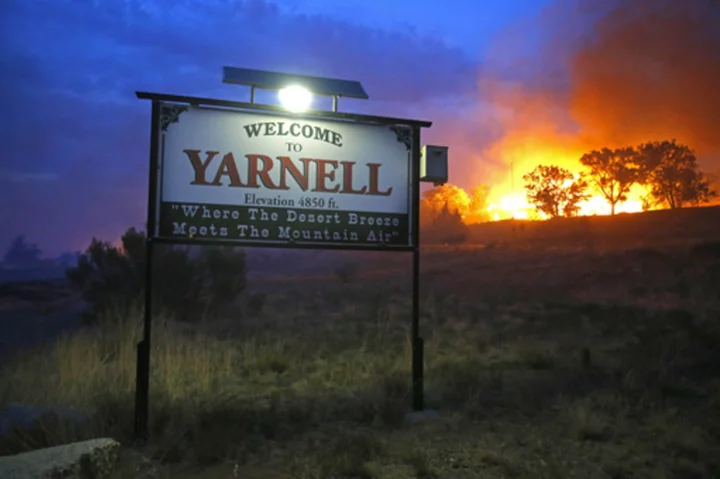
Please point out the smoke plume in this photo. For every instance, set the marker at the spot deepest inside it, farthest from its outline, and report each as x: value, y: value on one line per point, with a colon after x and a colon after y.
x: 593, y: 73
x: 652, y: 72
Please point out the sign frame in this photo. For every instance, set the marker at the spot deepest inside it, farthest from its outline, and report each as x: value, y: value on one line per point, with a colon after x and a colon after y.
x: 171, y: 112
x: 408, y: 131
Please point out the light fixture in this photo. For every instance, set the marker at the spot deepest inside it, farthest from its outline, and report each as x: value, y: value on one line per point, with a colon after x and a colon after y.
x: 311, y: 85
x: 295, y: 98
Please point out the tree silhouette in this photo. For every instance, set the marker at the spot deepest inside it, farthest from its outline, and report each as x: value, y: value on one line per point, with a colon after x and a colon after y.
x: 449, y: 227
x: 21, y: 253
x: 453, y: 197
x: 673, y: 175
x: 471, y: 206
x: 613, y: 171
x: 555, y: 191
x: 184, y: 284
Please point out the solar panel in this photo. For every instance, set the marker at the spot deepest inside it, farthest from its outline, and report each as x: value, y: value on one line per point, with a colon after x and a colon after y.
x: 275, y: 81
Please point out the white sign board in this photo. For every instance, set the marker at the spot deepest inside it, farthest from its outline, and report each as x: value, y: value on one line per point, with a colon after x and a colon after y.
x: 251, y: 177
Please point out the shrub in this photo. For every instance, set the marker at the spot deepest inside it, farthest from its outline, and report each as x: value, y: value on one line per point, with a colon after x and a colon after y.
x: 447, y: 228
x: 186, y: 283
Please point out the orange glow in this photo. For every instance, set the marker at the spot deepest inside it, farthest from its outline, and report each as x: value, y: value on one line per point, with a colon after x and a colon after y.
x: 512, y: 206
x: 523, y: 149
x: 516, y: 206
x: 471, y: 206
x: 606, y: 103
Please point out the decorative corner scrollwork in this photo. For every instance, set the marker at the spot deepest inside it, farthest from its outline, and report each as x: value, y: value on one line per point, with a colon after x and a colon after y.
x: 404, y: 135
x: 170, y: 114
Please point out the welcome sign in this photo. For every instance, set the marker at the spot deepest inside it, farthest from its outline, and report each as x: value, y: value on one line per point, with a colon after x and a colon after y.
x: 269, y: 178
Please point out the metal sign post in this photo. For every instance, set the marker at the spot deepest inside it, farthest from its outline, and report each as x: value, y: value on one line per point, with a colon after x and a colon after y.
x: 231, y: 173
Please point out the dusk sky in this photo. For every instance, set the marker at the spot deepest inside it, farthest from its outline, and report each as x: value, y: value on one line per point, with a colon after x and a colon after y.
x: 76, y: 138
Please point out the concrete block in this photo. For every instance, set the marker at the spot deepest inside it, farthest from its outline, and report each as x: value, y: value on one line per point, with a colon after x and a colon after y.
x: 93, y: 459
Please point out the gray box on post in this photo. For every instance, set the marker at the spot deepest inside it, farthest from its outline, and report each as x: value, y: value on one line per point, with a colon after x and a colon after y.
x: 434, y: 164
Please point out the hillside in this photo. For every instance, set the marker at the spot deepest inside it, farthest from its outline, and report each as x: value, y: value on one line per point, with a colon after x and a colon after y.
x: 652, y: 227
x: 584, y: 347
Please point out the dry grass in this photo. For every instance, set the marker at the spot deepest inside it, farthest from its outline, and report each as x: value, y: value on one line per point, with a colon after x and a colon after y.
x: 571, y: 374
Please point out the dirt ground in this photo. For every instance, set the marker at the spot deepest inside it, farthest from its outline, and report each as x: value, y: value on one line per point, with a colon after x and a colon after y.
x: 589, y: 350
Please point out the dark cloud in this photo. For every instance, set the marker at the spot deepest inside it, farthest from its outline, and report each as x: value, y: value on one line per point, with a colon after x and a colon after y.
x: 70, y: 69
x: 145, y: 48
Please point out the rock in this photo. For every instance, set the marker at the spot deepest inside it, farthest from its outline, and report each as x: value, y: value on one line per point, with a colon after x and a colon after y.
x: 421, y: 416
x: 92, y: 459
x: 24, y: 417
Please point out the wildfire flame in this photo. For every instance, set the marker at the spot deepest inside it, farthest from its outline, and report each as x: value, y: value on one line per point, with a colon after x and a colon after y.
x: 507, y: 199
x: 515, y: 206
x: 649, y: 74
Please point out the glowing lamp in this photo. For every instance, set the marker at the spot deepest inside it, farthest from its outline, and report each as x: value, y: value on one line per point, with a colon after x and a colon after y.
x: 295, y: 98
x: 292, y: 96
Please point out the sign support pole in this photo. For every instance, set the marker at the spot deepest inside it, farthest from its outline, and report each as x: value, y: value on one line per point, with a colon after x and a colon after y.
x: 417, y: 340
x: 161, y: 215
x: 142, y: 378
